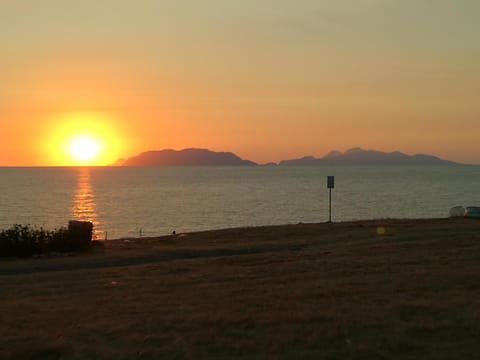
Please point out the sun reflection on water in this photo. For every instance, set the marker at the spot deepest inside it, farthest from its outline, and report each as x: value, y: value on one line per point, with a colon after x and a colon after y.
x: 84, y: 206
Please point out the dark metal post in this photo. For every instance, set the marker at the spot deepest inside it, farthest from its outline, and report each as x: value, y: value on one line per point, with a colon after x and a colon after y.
x: 330, y: 185
x: 330, y: 205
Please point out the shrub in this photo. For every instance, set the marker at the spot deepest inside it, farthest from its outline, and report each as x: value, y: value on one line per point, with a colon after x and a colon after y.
x: 80, y: 234
x: 24, y: 240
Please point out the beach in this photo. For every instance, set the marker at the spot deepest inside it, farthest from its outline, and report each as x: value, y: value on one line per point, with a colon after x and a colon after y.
x: 373, y: 289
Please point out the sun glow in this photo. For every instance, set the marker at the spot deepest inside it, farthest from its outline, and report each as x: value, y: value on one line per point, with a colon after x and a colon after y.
x: 84, y: 148
x: 83, y: 139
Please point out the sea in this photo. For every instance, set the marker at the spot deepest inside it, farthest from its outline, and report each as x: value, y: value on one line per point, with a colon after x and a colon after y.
x: 152, y: 201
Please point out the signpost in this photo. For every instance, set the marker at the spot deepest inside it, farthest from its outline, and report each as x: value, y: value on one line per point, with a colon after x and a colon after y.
x: 330, y: 185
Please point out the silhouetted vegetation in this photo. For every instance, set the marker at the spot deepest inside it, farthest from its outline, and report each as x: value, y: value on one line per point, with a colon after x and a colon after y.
x: 25, y: 240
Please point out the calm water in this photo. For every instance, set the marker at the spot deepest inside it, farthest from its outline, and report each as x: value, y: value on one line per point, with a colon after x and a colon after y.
x: 154, y: 201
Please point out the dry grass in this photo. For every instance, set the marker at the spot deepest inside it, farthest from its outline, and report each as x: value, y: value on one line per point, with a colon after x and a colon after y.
x: 319, y: 291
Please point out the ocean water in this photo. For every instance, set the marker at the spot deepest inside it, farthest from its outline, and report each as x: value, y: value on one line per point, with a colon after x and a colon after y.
x: 125, y: 202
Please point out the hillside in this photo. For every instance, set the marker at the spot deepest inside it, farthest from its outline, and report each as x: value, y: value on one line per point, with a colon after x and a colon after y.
x: 386, y: 289
x: 205, y: 157
x: 186, y: 157
x: 359, y: 156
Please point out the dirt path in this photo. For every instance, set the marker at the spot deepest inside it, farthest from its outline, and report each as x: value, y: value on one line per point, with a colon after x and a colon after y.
x: 107, y: 262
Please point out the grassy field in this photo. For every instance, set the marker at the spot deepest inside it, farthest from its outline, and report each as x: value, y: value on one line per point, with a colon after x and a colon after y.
x: 390, y: 289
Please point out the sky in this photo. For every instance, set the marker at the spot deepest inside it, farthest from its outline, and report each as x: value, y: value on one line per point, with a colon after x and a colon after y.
x: 265, y: 79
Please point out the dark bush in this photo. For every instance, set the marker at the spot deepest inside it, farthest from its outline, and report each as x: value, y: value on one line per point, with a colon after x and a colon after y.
x: 23, y: 241
x: 80, y: 234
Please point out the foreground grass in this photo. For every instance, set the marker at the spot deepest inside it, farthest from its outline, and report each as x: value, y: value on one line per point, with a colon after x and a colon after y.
x: 319, y: 291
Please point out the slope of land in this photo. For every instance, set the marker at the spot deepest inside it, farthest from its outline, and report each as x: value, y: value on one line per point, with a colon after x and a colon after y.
x: 186, y: 157
x: 359, y: 156
x: 385, y: 289
x: 204, y: 157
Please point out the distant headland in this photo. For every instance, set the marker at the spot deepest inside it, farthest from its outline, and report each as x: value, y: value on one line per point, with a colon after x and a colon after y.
x: 186, y: 157
x: 205, y: 157
x: 358, y: 156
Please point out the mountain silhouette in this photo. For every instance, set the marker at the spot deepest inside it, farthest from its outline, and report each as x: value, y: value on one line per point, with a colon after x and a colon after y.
x: 205, y: 157
x: 186, y: 157
x: 358, y: 156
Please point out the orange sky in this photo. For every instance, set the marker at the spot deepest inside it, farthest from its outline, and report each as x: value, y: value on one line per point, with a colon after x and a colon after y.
x: 268, y: 80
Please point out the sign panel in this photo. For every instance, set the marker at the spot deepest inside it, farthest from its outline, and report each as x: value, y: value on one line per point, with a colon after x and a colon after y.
x: 331, y: 182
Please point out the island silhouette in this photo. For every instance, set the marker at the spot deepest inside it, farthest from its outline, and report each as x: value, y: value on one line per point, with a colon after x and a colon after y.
x: 205, y: 157
x: 358, y: 156
x: 186, y: 157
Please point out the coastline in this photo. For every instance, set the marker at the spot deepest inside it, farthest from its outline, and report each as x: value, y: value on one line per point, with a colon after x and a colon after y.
x: 391, y: 288
x: 130, y: 251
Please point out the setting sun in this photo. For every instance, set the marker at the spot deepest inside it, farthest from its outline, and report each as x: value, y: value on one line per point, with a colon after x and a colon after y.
x: 84, y: 149
x: 83, y: 139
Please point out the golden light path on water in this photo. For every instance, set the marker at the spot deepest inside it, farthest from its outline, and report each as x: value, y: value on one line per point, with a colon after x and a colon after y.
x: 84, y: 207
